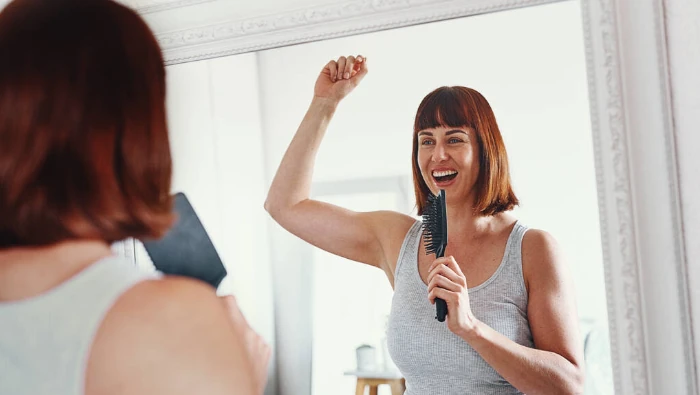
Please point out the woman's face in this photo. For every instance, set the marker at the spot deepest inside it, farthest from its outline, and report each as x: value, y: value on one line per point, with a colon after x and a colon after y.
x: 448, y: 158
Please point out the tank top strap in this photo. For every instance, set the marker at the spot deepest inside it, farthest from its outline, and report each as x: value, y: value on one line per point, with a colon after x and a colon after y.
x: 514, y: 250
x: 511, y: 270
x: 406, y: 263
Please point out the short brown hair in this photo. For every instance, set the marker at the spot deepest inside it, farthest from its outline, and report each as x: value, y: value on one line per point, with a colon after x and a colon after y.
x: 84, y: 151
x: 457, y: 106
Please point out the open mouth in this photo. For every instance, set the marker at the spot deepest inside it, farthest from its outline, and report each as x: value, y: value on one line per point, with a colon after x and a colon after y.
x: 444, y: 176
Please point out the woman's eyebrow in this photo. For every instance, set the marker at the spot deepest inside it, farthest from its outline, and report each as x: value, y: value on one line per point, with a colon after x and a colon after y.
x: 449, y: 132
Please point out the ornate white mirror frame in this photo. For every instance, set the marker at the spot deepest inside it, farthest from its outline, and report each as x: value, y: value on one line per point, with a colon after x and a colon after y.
x: 646, y: 268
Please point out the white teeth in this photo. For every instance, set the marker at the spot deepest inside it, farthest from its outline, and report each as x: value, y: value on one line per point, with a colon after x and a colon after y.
x: 443, y: 173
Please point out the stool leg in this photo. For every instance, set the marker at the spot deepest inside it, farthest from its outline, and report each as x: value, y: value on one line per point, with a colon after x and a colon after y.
x: 373, y: 389
x: 397, y: 387
x: 360, y: 389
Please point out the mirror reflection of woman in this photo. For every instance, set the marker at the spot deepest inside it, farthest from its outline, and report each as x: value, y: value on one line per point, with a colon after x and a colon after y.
x: 512, y: 323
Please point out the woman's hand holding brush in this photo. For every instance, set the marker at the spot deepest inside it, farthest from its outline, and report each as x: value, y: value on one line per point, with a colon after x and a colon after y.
x: 446, y: 281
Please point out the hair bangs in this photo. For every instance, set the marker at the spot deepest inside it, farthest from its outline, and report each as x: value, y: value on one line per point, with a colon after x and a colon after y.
x: 445, y: 107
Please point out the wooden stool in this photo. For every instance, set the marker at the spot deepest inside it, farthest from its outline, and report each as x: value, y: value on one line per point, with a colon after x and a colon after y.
x: 398, y: 386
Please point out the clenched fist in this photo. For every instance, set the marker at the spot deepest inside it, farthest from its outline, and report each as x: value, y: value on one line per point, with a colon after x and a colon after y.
x: 339, y: 77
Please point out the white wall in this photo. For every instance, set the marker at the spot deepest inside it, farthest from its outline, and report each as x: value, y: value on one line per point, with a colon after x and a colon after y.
x: 351, y: 305
x: 215, y: 138
x: 529, y: 64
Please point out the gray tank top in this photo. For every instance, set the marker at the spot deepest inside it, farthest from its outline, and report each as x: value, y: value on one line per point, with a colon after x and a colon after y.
x: 432, y: 359
x: 45, y: 340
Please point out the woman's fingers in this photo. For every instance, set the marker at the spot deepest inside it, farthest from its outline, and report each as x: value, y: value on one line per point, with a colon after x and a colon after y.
x: 341, y: 67
x: 359, y: 61
x: 360, y: 70
x: 440, y: 281
x: 452, y: 264
x: 448, y: 267
x: 446, y: 272
x: 356, y: 66
x: 447, y: 296
x: 349, y: 66
x: 450, y: 275
x: 332, y: 67
x: 346, y: 67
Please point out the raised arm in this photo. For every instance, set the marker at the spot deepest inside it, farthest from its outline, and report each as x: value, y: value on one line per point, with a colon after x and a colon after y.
x: 339, y: 231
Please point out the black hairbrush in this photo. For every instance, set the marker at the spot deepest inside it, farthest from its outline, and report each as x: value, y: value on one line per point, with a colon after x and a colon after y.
x: 435, y: 237
x: 186, y: 249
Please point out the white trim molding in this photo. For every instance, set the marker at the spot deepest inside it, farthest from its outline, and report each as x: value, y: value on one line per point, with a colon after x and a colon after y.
x: 639, y: 202
x: 653, y: 350
x: 318, y: 23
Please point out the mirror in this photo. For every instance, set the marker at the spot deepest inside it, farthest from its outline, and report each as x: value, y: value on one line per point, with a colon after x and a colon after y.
x: 637, y: 125
x: 233, y: 117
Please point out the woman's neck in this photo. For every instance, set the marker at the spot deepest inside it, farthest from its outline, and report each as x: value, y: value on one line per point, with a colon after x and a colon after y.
x: 464, y: 221
x: 29, y: 271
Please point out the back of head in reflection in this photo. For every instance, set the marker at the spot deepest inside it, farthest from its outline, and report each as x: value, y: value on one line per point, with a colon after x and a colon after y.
x: 511, y: 324
x: 85, y: 151
x: 84, y: 162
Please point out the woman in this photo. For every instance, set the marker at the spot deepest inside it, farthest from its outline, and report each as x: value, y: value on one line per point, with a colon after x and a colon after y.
x: 84, y: 162
x: 511, y: 326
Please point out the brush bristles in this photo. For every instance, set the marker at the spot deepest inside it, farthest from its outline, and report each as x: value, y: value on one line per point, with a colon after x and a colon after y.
x: 432, y: 224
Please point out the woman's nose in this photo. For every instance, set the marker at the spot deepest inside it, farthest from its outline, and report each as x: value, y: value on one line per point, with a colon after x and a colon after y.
x: 439, y: 153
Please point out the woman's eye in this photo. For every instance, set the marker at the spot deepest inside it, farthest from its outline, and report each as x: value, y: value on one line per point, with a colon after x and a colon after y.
x: 454, y: 140
x: 426, y: 142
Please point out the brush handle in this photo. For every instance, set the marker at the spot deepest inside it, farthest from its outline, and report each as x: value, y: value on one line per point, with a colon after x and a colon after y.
x: 440, y: 309
x: 440, y: 304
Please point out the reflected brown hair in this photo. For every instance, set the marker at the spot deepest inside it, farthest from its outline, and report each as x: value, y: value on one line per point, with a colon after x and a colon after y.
x: 457, y: 106
x: 84, y: 151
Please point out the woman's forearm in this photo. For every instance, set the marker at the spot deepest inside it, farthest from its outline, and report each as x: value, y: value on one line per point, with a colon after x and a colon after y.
x: 529, y: 370
x: 292, y: 182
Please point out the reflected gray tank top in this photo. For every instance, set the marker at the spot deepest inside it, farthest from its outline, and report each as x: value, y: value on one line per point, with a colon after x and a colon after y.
x: 45, y: 340
x: 432, y: 359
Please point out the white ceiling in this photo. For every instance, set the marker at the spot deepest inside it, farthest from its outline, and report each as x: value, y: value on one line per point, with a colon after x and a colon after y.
x: 213, y: 9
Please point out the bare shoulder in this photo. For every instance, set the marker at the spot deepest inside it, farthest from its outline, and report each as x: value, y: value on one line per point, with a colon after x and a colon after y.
x: 537, y: 241
x: 542, y: 256
x: 167, y: 336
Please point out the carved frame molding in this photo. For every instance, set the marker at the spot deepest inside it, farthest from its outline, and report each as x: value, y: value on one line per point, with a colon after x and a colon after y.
x: 346, y: 18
